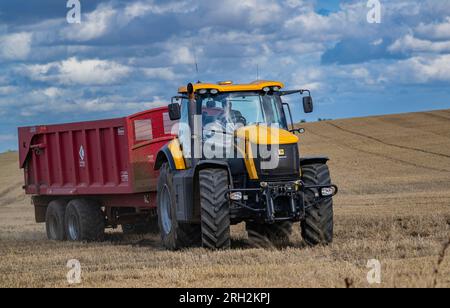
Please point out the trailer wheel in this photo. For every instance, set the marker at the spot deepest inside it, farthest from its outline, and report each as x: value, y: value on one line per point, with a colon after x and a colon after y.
x: 317, y: 228
x: 174, y: 235
x: 215, y: 209
x: 264, y: 234
x: 54, y: 220
x: 85, y: 221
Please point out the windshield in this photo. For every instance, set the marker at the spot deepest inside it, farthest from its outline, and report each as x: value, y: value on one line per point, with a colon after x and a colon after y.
x: 232, y: 110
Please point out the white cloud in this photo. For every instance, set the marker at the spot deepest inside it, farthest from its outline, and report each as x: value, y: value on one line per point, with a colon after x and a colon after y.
x: 435, y: 30
x: 93, y: 25
x: 181, y: 55
x: 311, y: 78
x: 409, y: 43
x: 142, y: 8
x: 377, y: 42
x: 107, y: 18
x: 420, y: 70
x: 164, y: 73
x: 15, y: 46
x: 6, y: 90
x: 74, y: 71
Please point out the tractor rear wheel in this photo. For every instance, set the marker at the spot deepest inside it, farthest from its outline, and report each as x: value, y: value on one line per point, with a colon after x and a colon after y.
x: 317, y: 228
x: 215, y: 209
x: 54, y: 220
x: 174, y: 235
x: 85, y: 221
x: 263, y: 234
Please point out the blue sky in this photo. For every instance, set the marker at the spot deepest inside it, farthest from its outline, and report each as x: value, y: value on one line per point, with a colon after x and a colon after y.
x: 128, y: 56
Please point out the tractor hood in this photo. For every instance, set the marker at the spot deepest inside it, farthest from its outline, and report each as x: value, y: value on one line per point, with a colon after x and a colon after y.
x: 287, y: 157
x: 265, y: 135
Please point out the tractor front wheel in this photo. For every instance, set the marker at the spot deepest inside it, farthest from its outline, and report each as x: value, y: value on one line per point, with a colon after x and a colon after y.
x: 215, y: 209
x: 317, y: 228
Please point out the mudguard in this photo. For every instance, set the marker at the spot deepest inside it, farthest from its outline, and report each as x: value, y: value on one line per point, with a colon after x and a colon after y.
x: 313, y: 160
x: 163, y: 156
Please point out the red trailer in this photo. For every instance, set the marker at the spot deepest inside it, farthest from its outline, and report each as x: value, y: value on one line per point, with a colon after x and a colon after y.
x: 107, y: 163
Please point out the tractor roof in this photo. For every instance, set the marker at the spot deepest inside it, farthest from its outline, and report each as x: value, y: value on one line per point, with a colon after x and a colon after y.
x: 228, y: 86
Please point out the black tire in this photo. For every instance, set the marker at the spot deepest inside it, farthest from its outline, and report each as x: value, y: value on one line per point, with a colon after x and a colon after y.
x: 263, y: 234
x: 55, y: 220
x: 149, y: 227
x: 215, y: 209
x: 85, y: 221
x: 317, y: 227
x: 174, y: 235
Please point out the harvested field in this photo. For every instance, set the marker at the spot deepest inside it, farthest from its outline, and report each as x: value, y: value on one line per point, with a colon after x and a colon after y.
x: 394, y: 206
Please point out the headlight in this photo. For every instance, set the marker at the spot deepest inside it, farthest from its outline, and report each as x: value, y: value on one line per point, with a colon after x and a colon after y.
x: 236, y: 196
x: 328, y: 191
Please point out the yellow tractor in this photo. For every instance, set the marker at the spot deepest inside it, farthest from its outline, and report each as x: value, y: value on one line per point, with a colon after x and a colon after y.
x: 236, y: 159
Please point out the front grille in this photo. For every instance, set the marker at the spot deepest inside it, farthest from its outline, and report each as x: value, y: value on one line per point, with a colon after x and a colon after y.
x: 288, y: 166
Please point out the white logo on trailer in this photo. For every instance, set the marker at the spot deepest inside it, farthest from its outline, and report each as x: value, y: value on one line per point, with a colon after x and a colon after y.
x: 82, y: 154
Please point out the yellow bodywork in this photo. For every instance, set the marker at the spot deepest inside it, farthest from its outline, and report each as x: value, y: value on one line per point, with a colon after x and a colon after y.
x: 230, y: 87
x: 177, y: 155
x: 265, y: 135
x: 262, y: 135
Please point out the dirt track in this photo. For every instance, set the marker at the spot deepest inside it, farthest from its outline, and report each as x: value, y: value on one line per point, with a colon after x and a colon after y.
x: 394, y: 206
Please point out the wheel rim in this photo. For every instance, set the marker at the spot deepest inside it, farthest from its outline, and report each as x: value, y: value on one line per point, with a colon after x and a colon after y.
x: 73, y: 227
x: 166, y: 215
x: 52, y: 227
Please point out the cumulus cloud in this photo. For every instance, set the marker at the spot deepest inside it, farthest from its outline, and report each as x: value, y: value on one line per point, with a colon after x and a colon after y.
x: 94, y: 25
x: 420, y: 70
x: 6, y: 90
x: 142, y: 8
x: 164, y: 73
x: 16, y: 46
x: 182, y: 55
x: 435, y: 30
x: 73, y: 71
x: 409, y: 43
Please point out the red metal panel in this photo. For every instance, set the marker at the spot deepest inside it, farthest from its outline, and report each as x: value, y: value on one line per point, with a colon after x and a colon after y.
x: 143, y: 152
x: 87, y: 158
x: 93, y: 158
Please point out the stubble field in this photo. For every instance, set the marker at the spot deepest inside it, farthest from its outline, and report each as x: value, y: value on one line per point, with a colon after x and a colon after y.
x: 394, y: 206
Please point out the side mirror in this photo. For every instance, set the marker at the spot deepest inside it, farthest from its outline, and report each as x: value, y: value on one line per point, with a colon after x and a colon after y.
x: 298, y: 131
x: 308, y: 105
x: 174, y: 112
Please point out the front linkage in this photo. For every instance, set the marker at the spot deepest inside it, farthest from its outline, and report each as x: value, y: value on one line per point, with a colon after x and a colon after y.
x: 300, y: 196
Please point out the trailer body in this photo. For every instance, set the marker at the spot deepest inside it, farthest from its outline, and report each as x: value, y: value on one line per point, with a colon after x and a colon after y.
x: 111, y: 161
